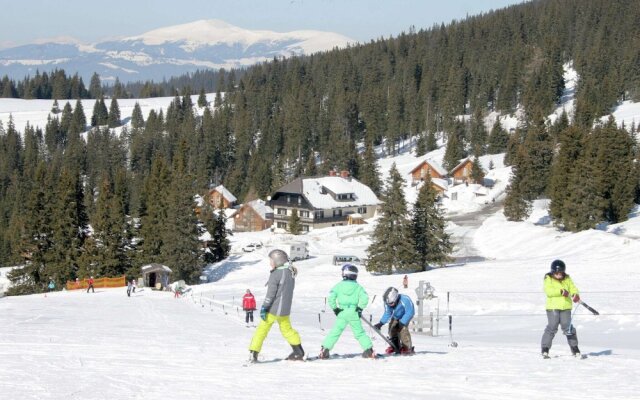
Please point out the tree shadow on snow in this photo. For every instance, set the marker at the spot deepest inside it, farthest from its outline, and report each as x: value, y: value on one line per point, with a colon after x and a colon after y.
x: 225, y: 267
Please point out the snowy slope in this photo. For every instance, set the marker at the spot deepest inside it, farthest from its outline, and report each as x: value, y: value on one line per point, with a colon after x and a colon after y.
x: 105, y: 345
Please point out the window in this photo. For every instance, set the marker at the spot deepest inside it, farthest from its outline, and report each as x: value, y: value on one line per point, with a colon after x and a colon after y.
x: 318, y: 215
x: 282, y: 211
x: 288, y: 198
x: 304, y: 214
x: 362, y: 210
x: 305, y: 228
x: 282, y: 225
x: 299, y: 199
x: 337, y: 213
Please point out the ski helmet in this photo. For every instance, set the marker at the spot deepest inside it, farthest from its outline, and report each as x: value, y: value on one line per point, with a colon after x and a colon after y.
x: 558, y: 266
x: 279, y: 257
x: 390, y: 296
x: 350, y: 271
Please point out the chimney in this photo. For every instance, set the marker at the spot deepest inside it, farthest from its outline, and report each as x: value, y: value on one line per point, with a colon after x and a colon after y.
x: 332, y: 173
x: 344, y: 174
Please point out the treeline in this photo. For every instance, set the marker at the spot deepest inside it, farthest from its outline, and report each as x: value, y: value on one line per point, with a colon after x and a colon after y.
x: 103, y: 206
x: 308, y: 115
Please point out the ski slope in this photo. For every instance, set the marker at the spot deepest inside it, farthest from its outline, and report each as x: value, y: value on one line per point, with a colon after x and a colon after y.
x: 77, y: 345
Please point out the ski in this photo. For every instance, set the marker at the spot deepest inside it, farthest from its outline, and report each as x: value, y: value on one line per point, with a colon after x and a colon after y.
x: 585, y: 305
x: 386, y: 339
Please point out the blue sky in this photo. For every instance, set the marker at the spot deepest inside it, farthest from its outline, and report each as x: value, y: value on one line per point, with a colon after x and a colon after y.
x: 25, y: 21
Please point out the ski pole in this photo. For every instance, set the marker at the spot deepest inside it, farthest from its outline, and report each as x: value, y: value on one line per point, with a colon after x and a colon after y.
x: 570, y: 329
x: 320, y: 322
x: 593, y: 311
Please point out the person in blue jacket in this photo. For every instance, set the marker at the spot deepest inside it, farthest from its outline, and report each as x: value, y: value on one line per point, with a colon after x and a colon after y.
x: 399, y: 309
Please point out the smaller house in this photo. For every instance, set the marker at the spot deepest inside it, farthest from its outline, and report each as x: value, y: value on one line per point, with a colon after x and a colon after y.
x: 461, y: 173
x: 427, y: 167
x: 156, y: 274
x: 253, y: 216
x: 220, y: 196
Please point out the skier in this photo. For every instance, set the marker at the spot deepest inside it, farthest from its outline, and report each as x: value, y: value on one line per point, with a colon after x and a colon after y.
x: 277, y: 307
x: 560, y: 291
x: 399, y: 309
x: 347, y: 299
x: 249, y: 306
x: 91, y: 285
x: 133, y: 285
x: 52, y: 285
x: 129, y: 287
x: 405, y: 282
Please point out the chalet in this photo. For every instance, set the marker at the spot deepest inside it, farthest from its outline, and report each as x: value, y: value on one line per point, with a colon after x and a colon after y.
x: 427, y: 167
x: 323, y: 202
x: 221, y: 196
x: 253, y: 216
x: 462, y: 172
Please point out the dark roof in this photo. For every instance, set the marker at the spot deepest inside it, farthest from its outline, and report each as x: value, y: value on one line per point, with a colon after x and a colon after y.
x: 295, y: 186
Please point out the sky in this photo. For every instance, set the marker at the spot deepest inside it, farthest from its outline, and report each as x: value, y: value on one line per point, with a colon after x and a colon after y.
x: 91, y: 21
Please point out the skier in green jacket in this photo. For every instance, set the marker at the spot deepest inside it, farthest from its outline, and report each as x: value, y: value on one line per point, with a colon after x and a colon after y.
x: 348, y: 299
x: 560, y: 291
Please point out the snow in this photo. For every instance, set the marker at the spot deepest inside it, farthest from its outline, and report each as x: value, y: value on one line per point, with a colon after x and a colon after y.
x: 106, y: 345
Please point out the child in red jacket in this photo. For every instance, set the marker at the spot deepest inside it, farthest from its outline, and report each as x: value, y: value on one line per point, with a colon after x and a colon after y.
x: 248, y: 305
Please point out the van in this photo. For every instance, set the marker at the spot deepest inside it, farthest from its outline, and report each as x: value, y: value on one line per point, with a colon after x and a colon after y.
x: 344, y: 259
x: 295, y: 250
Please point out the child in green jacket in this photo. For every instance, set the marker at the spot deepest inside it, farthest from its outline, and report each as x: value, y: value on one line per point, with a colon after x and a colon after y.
x: 560, y: 291
x: 348, y: 299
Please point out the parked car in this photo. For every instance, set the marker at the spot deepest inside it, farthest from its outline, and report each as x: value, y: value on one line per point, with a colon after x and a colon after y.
x: 252, y: 247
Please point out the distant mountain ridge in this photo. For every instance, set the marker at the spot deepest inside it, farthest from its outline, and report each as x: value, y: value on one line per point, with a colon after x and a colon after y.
x: 166, y: 52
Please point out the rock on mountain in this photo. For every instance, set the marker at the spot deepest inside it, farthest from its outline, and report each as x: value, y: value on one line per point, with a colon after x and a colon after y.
x: 166, y: 52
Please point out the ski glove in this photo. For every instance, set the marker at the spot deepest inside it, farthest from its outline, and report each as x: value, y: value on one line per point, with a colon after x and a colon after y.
x: 337, y: 310
x: 576, y: 298
x: 359, y: 311
x: 378, y: 326
x: 263, y: 313
x: 564, y: 292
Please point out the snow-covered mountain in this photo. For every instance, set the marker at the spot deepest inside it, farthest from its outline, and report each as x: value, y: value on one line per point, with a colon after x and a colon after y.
x: 165, y: 52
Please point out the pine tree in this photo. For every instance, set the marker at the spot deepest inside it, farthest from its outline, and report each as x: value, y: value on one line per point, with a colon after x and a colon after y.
x: 564, y: 164
x: 433, y: 243
x: 219, y: 246
x: 369, y: 174
x: 95, y: 87
x: 113, y: 118
x: 153, y: 212
x: 498, y: 139
x: 181, y: 248
x: 294, y: 225
x: 55, y: 109
x: 477, y: 174
x: 516, y: 206
x: 202, y: 99
x: 78, y: 120
x: 137, y: 120
x: 392, y: 247
x: 455, y: 148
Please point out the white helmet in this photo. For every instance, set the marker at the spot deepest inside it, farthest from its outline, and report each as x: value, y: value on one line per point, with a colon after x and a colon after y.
x: 279, y: 257
x: 391, y: 296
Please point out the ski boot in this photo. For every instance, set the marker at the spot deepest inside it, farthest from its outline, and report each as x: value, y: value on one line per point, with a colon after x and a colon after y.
x: 324, y: 353
x: 253, y: 357
x: 545, y: 352
x: 368, y: 353
x: 297, y: 354
x: 576, y: 352
x: 405, y: 351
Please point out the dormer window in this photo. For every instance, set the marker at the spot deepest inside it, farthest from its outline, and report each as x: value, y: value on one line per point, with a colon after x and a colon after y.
x: 344, y: 196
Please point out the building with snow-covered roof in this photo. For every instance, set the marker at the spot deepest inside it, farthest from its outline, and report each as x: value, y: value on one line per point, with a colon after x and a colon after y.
x: 253, y: 216
x: 323, y: 202
x: 461, y: 173
x: 220, y: 195
x: 427, y: 167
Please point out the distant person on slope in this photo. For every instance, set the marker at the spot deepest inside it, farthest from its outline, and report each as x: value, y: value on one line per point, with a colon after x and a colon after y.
x: 249, y: 306
x: 560, y: 292
x: 399, y: 309
x: 277, y: 306
x: 347, y: 299
x: 91, y: 286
